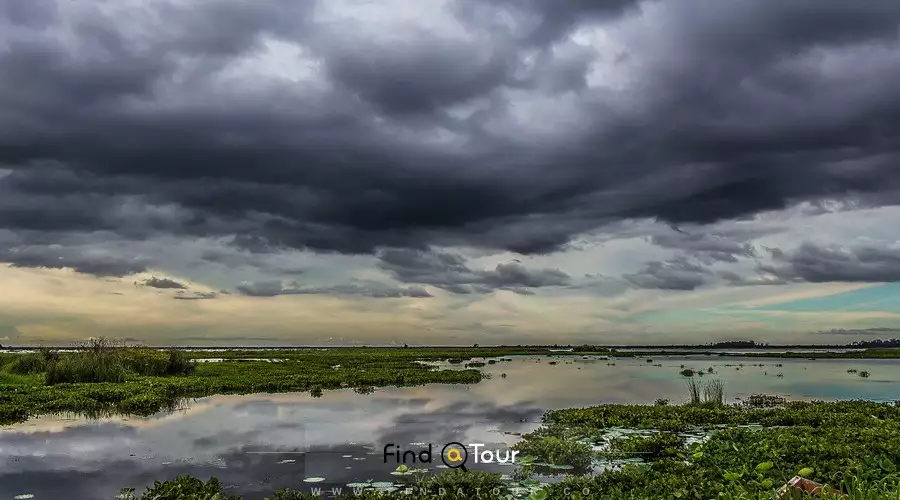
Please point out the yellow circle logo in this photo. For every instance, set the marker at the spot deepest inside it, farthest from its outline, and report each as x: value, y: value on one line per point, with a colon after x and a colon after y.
x: 454, y: 455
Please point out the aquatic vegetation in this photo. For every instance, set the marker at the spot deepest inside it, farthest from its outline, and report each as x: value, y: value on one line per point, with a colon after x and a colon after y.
x: 712, y: 392
x: 863, y: 374
x: 558, y: 451
x: 764, y: 401
x: 452, y: 484
x: 476, y: 484
x: 181, y: 488
x: 694, y: 390
x: 827, y: 442
x: 687, y: 372
x: 657, y: 445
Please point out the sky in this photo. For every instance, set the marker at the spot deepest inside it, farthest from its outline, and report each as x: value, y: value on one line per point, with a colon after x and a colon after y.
x: 206, y: 172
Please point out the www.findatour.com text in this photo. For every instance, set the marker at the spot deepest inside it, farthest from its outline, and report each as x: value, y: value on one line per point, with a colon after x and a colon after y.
x: 446, y: 493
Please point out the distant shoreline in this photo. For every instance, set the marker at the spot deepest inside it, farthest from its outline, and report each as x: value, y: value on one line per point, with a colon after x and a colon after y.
x: 659, y: 347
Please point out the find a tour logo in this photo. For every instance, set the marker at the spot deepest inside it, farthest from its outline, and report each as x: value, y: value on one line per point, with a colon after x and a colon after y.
x: 454, y: 455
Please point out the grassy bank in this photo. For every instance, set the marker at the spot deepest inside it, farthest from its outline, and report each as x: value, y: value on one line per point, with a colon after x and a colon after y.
x: 101, y: 378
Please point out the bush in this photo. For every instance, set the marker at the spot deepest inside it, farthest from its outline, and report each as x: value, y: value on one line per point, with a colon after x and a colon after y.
x: 155, y: 363
x: 558, y: 451
x: 27, y: 363
x: 85, y: 367
x: 48, y: 354
x: 99, y: 362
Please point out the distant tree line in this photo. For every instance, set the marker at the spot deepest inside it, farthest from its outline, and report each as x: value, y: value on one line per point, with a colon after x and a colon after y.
x: 740, y: 344
x: 875, y: 343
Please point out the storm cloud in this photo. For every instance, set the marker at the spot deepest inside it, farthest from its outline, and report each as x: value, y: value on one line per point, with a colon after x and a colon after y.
x: 833, y: 263
x: 450, y: 272
x: 679, y: 273
x: 506, y: 126
x: 155, y: 282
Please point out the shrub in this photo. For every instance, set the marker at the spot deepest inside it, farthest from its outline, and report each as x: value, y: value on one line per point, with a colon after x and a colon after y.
x: 558, y: 451
x: 48, y: 354
x: 27, y: 363
x: 85, y: 367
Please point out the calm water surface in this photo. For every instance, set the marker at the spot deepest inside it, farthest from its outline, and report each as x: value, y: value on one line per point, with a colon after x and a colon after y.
x: 258, y: 443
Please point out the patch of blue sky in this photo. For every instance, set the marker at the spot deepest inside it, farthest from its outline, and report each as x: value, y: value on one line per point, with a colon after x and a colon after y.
x: 884, y: 298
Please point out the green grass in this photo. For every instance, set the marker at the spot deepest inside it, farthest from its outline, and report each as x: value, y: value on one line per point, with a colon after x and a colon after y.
x: 99, y: 379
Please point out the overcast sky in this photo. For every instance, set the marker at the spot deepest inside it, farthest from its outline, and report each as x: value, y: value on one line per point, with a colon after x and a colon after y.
x: 491, y: 171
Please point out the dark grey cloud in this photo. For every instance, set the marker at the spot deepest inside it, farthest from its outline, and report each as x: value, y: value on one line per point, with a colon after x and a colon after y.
x: 710, y: 111
x: 708, y: 246
x: 181, y: 295
x: 832, y: 263
x: 450, y: 272
x: 154, y: 282
x: 97, y: 263
x: 679, y: 273
x: 374, y: 290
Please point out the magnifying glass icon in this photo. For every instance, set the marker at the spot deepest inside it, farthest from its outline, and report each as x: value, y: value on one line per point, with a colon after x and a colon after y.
x: 454, y: 455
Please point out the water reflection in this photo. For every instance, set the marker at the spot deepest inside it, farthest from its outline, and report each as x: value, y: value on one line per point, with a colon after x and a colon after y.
x: 258, y: 443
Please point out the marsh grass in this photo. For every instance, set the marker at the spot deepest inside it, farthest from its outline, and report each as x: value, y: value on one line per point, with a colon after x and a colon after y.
x: 714, y: 392
x: 100, y: 360
x: 708, y: 393
x: 91, y: 378
x: 694, y: 388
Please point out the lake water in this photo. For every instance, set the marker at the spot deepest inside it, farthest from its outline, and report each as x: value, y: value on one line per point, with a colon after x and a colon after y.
x: 258, y: 443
